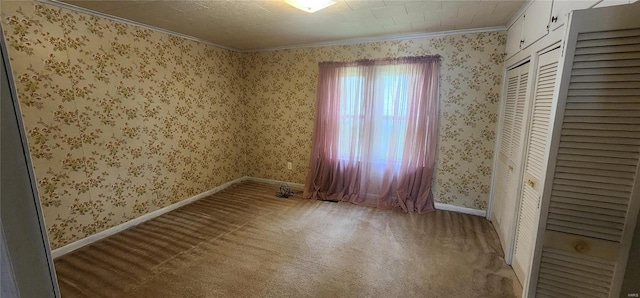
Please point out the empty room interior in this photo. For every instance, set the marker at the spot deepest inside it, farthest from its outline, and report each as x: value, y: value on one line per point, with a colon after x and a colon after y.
x: 320, y: 148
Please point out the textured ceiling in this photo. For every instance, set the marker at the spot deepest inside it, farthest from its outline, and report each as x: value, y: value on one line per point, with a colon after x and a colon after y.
x: 252, y: 24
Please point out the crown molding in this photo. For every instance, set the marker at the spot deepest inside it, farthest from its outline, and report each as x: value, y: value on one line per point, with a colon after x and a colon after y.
x: 381, y: 38
x: 404, y: 36
x: 130, y: 22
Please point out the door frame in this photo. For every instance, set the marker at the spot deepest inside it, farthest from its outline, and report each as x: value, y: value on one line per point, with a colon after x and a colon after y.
x: 36, y: 225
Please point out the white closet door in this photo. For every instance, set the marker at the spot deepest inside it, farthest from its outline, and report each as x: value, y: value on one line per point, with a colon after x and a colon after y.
x: 515, y: 160
x: 591, y: 203
x: 534, y: 163
x: 509, y: 156
x: 502, y: 165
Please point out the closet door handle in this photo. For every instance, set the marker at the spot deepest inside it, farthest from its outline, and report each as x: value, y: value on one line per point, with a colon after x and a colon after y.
x: 511, y: 168
x: 554, y: 19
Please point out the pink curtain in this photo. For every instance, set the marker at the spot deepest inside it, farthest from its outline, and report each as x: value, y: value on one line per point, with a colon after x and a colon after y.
x: 375, y: 133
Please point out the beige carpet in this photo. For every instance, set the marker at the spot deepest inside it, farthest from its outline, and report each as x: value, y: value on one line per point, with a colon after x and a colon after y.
x: 245, y: 242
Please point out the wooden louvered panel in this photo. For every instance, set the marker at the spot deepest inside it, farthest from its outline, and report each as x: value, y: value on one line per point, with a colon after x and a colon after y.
x: 613, y: 41
x: 566, y: 274
x: 600, y: 92
x: 540, y: 119
x: 525, y: 229
x: 578, y: 201
x: 508, y: 156
x: 600, y: 99
x: 565, y: 288
x: 604, y: 106
x: 600, y: 85
x: 600, y: 139
x: 614, y: 141
x: 599, y: 173
x: 565, y: 212
x: 615, y: 157
x: 612, y: 197
x: 591, y: 203
x: 559, y: 278
x: 601, y: 113
x: 502, y: 170
x: 594, y: 126
x: 580, y: 148
x: 607, y: 37
x: 607, y: 56
x: 601, y: 179
x: 596, y: 222
x: 628, y: 77
x: 558, y: 292
x: 545, y: 78
x: 600, y: 282
x: 581, y: 229
x: 611, y: 167
x: 612, y: 63
x: 536, y: 157
x: 628, y: 47
x: 605, y: 71
x: 602, y: 120
x: 509, y: 114
x: 596, y: 159
x: 574, y: 205
x: 515, y: 149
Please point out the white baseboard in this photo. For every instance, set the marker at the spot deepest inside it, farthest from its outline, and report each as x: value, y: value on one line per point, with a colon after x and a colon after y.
x: 134, y: 222
x: 271, y: 181
x: 439, y: 206
x: 460, y: 209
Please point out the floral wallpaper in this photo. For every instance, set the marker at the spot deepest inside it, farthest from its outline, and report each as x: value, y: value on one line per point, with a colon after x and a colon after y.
x: 120, y: 120
x: 280, y: 88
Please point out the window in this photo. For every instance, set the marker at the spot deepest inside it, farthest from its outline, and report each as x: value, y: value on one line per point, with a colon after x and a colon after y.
x: 388, y: 115
x: 375, y: 132
x: 351, y: 116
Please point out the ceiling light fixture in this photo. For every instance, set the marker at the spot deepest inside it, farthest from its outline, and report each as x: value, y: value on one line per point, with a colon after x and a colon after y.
x: 310, y: 6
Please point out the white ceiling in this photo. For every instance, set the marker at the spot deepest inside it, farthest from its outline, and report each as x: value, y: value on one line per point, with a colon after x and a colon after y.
x: 262, y: 24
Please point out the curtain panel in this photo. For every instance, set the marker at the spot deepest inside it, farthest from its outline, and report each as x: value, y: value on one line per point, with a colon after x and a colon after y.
x: 375, y: 133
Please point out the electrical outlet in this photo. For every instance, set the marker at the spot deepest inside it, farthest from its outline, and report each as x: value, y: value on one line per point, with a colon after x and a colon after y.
x: 290, y: 165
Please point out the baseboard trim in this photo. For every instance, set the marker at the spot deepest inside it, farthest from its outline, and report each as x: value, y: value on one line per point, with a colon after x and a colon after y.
x: 136, y: 221
x: 439, y: 206
x: 58, y: 252
x: 271, y: 181
x: 460, y: 209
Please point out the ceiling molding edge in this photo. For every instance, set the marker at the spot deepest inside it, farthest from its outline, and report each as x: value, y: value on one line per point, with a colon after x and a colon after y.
x: 311, y: 45
x: 404, y: 36
x: 130, y: 22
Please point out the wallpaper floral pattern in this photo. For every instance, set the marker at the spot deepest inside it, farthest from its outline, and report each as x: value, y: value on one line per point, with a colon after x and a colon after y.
x: 121, y: 120
x: 280, y: 88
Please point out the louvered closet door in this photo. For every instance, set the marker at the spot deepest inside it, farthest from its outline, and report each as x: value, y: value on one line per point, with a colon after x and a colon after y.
x: 595, y: 192
x: 528, y: 211
x: 502, y: 165
x: 510, y: 135
x: 508, y: 216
